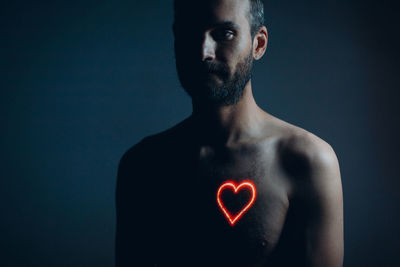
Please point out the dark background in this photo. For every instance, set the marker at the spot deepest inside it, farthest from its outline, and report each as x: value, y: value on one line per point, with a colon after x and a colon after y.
x: 81, y: 82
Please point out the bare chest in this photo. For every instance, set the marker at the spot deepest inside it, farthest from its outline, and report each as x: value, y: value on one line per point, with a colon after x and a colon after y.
x: 235, y: 203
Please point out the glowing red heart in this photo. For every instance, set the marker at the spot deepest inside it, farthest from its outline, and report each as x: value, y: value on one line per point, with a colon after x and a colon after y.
x: 231, y: 185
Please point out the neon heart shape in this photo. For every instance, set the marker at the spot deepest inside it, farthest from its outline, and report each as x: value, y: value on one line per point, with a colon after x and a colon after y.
x: 230, y: 184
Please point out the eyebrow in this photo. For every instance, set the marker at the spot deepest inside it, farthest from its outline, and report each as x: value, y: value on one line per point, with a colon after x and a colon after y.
x: 228, y: 24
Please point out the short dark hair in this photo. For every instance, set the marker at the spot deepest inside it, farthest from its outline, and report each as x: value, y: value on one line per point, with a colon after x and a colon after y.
x: 255, y: 16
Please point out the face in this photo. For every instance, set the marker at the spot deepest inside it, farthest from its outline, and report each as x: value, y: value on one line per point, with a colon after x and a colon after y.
x: 213, y: 50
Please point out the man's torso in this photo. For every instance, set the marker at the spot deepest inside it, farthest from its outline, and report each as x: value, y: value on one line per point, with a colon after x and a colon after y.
x: 177, y: 190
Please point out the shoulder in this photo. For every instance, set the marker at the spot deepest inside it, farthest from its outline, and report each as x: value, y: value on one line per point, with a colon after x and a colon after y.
x: 153, y: 146
x: 157, y: 139
x: 306, y: 145
x: 308, y: 160
x: 296, y: 142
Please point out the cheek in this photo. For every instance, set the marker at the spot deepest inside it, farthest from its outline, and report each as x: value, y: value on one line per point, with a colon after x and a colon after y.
x: 235, y: 50
x: 228, y: 54
x: 233, y: 56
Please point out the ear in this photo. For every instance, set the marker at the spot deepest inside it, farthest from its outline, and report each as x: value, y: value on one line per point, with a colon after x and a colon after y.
x: 260, y: 42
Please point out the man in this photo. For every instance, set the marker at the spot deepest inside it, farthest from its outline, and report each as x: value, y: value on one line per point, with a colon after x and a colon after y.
x: 231, y: 185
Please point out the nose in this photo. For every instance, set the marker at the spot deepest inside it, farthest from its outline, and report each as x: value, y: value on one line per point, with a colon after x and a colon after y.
x: 208, y: 48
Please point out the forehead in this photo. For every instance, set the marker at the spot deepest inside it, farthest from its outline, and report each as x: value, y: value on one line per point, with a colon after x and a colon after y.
x: 207, y: 12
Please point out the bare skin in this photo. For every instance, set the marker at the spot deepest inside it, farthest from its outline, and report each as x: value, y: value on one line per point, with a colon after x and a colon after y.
x: 167, y: 213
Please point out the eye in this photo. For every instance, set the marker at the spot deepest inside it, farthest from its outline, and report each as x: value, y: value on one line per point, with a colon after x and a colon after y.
x: 223, y: 35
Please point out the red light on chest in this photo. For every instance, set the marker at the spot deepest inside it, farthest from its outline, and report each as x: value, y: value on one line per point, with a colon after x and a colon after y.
x: 230, y: 185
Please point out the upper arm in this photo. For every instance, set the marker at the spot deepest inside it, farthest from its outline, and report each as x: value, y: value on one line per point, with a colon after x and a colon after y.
x: 124, y: 234
x: 133, y: 234
x: 324, y: 203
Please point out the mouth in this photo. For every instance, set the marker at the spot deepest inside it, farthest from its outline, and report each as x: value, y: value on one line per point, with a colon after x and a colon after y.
x: 213, y: 76
x: 208, y: 73
x: 213, y: 73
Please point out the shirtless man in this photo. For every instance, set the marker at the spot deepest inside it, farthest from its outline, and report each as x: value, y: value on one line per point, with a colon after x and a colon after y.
x: 168, y: 212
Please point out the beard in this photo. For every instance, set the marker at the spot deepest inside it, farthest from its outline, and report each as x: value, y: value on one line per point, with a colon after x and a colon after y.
x: 212, y: 83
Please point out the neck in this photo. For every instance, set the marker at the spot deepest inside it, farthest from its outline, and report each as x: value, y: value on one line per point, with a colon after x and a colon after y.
x: 229, y: 125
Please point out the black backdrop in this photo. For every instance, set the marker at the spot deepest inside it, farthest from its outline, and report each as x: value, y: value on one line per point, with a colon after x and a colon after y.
x: 83, y: 81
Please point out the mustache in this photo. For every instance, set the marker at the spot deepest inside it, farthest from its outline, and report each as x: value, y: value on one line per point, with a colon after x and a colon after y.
x: 213, y: 67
